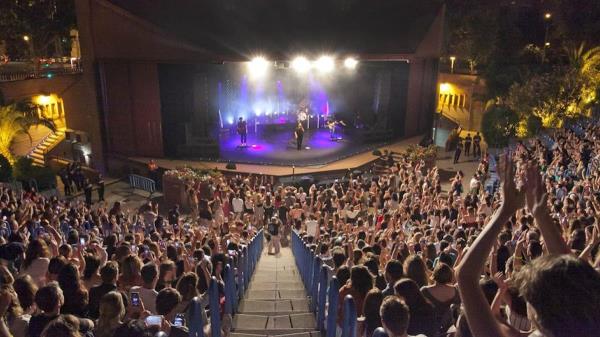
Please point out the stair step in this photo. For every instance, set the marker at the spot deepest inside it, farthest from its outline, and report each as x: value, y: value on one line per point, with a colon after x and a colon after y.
x: 262, y: 307
x: 292, y: 334
x: 278, y: 332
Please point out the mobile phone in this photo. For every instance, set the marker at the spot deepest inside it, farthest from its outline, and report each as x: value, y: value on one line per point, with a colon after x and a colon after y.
x: 81, y: 241
x: 178, y: 321
x: 154, y: 320
x: 135, y: 299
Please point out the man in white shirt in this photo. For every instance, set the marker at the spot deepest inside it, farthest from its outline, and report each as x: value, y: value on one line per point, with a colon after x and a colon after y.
x: 312, y: 226
x: 147, y: 293
x: 238, y: 205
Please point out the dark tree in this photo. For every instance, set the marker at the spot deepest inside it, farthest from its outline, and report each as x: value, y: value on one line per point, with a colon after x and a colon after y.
x: 46, y: 23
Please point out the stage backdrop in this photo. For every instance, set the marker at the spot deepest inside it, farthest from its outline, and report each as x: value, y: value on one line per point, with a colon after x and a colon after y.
x: 199, y: 102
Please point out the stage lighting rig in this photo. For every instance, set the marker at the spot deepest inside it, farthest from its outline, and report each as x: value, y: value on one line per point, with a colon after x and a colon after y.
x: 325, y: 64
x: 350, y: 63
x: 258, y: 66
x: 301, y: 64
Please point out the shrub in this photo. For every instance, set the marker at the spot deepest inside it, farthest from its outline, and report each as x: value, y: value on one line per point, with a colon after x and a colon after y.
x: 25, y: 171
x: 5, y: 169
x: 498, y: 125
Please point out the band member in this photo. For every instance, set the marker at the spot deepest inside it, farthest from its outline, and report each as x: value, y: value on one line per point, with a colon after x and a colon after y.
x: 331, y: 125
x: 299, y: 134
x: 242, y: 129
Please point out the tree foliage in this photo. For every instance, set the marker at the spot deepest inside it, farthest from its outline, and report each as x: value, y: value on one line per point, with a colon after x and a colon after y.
x: 567, y: 91
x: 498, y: 125
x: 16, y: 118
x: 5, y: 169
x: 47, y: 23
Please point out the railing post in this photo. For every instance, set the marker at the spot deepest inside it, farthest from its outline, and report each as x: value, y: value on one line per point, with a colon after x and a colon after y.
x: 195, y: 324
x: 314, y: 282
x: 333, y: 296
x: 240, y: 275
x: 230, y: 296
x: 215, y: 316
x: 246, y: 267
x: 349, y: 323
x: 322, y: 300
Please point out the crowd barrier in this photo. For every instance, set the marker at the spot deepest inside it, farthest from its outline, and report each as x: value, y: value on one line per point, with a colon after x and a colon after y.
x: 324, y: 291
x: 142, y: 183
x: 233, y: 289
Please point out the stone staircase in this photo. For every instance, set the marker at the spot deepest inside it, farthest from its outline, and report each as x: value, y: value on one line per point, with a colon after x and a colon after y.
x: 276, y: 303
x: 38, y: 153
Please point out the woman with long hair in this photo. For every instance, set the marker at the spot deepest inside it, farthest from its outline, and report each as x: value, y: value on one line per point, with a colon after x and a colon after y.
x: 422, y: 314
x: 130, y: 273
x: 76, y: 296
x: 371, y: 307
x: 17, y: 322
x: 442, y: 294
x: 361, y: 282
x: 416, y: 270
x: 112, y: 311
x: 37, y: 258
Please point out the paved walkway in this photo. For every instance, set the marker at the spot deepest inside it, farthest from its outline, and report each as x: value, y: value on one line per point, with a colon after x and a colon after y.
x: 275, y: 303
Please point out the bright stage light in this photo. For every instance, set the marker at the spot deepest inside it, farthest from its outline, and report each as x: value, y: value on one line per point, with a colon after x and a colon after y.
x: 258, y: 66
x: 350, y: 63
x: 301, y: 64
x: 325, y: 64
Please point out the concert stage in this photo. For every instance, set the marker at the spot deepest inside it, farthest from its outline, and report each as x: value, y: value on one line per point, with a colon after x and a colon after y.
x: 279, y: 147
x: 359, y: 160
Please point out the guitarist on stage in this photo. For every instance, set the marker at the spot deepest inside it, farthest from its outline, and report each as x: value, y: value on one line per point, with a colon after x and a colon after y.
x: 242, y: 129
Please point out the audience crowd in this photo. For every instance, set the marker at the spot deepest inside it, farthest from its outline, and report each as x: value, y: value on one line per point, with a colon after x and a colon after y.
x: 521, y: 260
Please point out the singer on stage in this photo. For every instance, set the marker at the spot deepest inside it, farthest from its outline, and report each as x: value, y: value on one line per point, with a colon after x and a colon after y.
x: 243, y: 131
x: 299, y: 134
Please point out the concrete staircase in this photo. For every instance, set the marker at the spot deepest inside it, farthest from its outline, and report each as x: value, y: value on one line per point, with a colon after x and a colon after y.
x: 275, y: 303
x: 38, y: 153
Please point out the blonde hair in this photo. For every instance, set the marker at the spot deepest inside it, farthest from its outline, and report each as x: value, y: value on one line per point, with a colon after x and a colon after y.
x: 112, y: 311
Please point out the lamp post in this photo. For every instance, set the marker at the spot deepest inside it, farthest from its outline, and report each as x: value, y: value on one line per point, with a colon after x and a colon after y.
x: 547, y: 17
x: 452, y: 59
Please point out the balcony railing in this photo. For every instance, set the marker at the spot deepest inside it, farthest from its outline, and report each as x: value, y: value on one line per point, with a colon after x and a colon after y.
x: 43, y: 72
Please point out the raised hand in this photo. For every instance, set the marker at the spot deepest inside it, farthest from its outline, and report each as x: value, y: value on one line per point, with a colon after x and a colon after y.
x: 536, y: 194
x: 512, y: 197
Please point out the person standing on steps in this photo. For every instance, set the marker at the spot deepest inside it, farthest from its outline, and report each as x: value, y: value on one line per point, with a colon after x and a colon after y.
x: 87, y: 190
x: 100, y: 184
x: 477, y: 145
x: 274, y: 229
x: 458, y: 150
x: 468, y: 141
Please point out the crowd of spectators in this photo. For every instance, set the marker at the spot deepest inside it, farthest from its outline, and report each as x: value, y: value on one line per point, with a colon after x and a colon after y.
x: 522, y: 260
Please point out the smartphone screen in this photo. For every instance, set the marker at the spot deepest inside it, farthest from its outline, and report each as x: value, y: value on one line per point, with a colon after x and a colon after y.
x: 178, y: 321
x: 135, y: 299
x: 81, y: 241
x: 154, y: 320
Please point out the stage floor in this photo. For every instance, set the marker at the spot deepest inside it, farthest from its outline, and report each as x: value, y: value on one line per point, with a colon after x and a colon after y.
x: 349, y: 163
x: 279, y: 148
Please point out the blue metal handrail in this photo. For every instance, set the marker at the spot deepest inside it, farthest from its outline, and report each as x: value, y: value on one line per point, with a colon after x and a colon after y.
x: 230, y: 295
x: 349, y: 323
x: 333, y: 296
x: 196, y: 324
x: 322, y: 299
x: 215, y: 317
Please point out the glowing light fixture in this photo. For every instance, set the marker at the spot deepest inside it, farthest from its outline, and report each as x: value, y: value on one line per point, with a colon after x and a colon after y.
x: 26, y: 38
x: 258, y: 66
x: 325, y: 64
x: 43, y: 99
x: 444, y: 88
x: 547, y: 16
x: 350, y: 63
x: 301, y: 64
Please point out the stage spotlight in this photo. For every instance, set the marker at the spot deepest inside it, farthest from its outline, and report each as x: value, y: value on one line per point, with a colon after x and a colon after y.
x: 258, y: 66
x: 300, y: 64
x: 325, y: 64
x: 350, y: 63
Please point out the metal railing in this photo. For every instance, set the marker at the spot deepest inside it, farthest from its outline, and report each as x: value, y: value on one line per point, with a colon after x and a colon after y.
x: 244, y: 268
x: 42, y: 73
x: 324, y: 294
